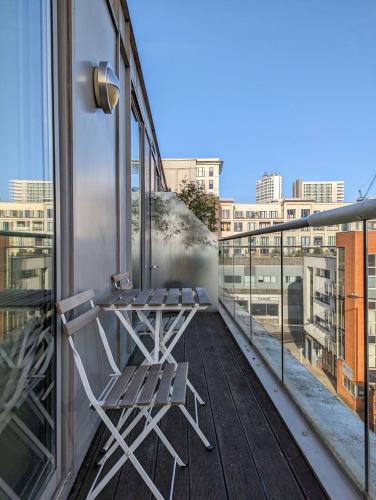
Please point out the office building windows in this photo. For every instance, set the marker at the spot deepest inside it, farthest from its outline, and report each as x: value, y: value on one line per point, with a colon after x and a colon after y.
x: 291, y: 213
x: 211, y: 171
x: 238, y: 226
x: 211, y: 184
x: 225, y: 214
x: 200, y: 172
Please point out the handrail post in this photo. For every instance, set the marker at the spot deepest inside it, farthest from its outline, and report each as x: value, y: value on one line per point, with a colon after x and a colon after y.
x: 366, y: 357
x: 282, y: 316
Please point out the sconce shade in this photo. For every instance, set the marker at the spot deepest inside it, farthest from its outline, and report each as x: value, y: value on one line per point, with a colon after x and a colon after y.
x: 106, y: 87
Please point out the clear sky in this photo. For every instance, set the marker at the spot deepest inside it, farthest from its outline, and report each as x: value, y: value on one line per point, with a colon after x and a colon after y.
x: 266, y: 85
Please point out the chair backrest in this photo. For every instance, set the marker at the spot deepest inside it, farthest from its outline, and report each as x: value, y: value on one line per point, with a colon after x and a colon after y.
x: 75, y: 325
x: 122, y: 281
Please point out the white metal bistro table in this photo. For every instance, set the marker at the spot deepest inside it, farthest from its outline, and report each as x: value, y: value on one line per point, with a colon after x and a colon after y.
x: 185, y: 302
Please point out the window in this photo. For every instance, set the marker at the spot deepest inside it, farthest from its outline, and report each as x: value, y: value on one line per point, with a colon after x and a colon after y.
x: 27, y: 332
x: 293, y: 279
x: 249, y: 214
x: 277, y: 241
x: 291, y: 213
x: 201, y: 182
x: 238, y: 226
x: 323, y: 273
x: 273, y: 214
x: 290, y: 241
x: 262, y: 215
x: 306, y: 241
x: 238, y: 214
x: 267, y: 279
x: 200, y: 172
x: 305, y: 212
x: 211, y: 184
x: 251, y: 226
x: 211, y: 171
x: 225, y: 226
x: 332, y: 241
x: 264, y: 309
x: 264, y: 240
x: 264, y: 224
x: 318, y: 241
x: 232, y: 279
x: 225, y: 214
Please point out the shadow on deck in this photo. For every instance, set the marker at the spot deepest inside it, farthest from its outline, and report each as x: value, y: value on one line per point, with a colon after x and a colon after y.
x: 254, y: 455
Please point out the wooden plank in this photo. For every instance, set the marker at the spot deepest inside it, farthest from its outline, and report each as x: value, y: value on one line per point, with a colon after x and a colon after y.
x: 127, y: 298
x: 187, y: 297
x: 142, y: 298
x: 211, y: 484
x: 203, y: 297
x: 119, y: 388
x: 267, y: 455
x: 70, y: 303
x: 81, y: 321
x: 111, y: 298
x: 172, y: 297
x: 147, y: 391
x: 134, y: 387
x: 119, y: 277
x: 180, y: 384
x: 163, y: 393
x: 244, y: 478
x: 157, y: 297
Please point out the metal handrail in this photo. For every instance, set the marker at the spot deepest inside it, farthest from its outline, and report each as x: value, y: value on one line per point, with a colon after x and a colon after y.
x: 356, y: 212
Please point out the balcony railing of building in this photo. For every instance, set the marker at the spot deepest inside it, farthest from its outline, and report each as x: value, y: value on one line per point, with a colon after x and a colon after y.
x: 271, y: 292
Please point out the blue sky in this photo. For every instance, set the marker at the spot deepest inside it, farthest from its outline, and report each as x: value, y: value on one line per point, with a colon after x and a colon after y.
x: 266, y: 85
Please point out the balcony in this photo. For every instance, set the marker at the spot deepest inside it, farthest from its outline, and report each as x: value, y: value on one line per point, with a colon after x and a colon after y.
x: 252, y: 445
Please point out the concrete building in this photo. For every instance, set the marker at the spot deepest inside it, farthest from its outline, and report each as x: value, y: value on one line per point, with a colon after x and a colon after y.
x: 319, y: 191
x: 320, y: 312
x: 204, y: 171
x: 30, y: 190
x: 269, y: 188
x: 242, y: 217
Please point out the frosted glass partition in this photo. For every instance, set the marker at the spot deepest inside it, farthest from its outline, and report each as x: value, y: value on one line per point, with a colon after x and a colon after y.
x: 184, y: 251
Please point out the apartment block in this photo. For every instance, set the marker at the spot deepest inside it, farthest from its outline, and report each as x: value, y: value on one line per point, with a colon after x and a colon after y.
x: 319, y: 191
x: 242, y: 217
x: 37, y: 191
x: 269, y: 188
x: 204, y: 171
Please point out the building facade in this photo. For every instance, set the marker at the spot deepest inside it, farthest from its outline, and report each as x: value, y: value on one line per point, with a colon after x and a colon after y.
x: 204, y: 171
x: 30, y: 190
x: 76, y: 213
x: 269, y: 188
x: 243, y: 217
x: 319, y: 191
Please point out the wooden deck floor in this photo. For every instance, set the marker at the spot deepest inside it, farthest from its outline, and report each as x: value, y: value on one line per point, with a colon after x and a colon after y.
x: 254, y: 454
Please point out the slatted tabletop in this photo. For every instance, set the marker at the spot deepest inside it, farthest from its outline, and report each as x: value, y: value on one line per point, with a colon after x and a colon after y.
x: 160, y: 298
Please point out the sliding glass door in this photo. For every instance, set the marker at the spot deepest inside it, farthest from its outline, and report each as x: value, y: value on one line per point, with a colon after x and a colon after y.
x: 27, y: 334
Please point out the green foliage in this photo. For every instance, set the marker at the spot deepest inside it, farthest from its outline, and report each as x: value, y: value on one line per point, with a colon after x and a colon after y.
x: 202, y: 204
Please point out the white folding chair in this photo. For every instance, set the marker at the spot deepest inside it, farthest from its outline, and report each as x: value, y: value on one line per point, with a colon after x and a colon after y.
x: 144, y: 389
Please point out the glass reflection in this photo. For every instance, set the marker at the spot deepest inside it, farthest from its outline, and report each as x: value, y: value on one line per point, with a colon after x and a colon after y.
x: 136, y: 202
x: 27, y: 335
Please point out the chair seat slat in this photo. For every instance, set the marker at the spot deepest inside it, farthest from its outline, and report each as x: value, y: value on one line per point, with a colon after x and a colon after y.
x: 163, y: 394
x: 134, y: 387
x: 148, y: 390
x: 119, y: 388
x: 180, y: 384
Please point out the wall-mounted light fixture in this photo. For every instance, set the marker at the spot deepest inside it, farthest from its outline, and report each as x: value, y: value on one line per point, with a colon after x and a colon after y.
x: 106, y: 87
